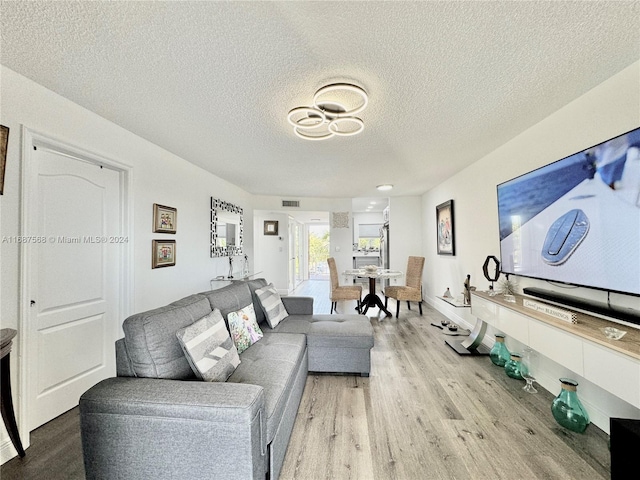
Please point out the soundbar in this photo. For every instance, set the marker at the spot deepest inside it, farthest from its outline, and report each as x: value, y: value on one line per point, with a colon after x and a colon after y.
x: 601, y: 308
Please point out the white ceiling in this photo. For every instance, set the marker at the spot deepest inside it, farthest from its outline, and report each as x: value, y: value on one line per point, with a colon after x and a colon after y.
x: 213, y: 81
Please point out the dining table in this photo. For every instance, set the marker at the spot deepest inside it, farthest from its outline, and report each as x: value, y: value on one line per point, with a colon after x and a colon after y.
x: 371, y: 299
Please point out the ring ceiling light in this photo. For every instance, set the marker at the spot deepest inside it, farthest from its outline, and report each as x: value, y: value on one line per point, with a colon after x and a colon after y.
x: 332, y: 113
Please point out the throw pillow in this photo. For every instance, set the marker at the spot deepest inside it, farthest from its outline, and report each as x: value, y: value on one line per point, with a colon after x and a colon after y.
x: 209, y: 349
x: 244, y: 327
x: 272, y: 305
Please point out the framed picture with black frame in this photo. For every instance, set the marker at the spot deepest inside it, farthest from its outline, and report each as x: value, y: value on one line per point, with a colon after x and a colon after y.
x: 444, y: 228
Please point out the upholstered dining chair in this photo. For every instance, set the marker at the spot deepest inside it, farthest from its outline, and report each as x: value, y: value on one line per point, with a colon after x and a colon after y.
x: 341, y: 292
x: 412, y: 291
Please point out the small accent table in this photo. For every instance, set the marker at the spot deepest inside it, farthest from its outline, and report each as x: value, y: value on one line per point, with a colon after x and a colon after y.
x: 6, y: 337
x: 472, y: 345
x: 371, y: 299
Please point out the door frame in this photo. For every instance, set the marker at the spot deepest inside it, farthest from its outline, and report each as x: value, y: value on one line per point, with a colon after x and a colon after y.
x: 31, y: 138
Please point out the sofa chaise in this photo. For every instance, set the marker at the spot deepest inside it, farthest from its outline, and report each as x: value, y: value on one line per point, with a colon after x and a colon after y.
x: 157, y: 420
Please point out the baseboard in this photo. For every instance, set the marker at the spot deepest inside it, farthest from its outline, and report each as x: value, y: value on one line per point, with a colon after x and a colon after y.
x: 7, y: 452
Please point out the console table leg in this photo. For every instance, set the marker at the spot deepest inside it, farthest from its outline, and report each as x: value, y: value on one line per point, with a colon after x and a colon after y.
x: 6, y: 405
x: 472, y: 345
x: 474, y: 340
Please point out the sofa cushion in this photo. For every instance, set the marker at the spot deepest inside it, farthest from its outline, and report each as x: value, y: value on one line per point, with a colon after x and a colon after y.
x: 150, y: 338
x: 244, y: 327
x: 254, y: 285
x: 272, y: 305
x: 230, y: 298
x: 272, y: 363
x: 209, y: 349
x: 336, y: 331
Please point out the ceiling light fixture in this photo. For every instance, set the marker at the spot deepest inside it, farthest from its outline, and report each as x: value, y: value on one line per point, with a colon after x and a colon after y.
x: 384, y: 187
x: 332, y: 113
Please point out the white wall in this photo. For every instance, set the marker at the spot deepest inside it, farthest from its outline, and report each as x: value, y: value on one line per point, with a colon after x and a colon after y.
x: 405, y: 239
x: 272, y: 251
x: 158, y: 177
x: 608, y: 110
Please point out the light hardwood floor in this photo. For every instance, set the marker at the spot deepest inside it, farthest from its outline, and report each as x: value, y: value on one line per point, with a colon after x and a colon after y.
x: 424, y: 413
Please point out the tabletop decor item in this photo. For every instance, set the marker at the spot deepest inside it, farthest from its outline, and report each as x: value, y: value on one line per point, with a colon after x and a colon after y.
x: 613, y: 333
x: 499, y: 353
x: 444, y: 228
x: 567, y: 408
x: 496, y: 272
x: 371, y: 268
x: 165, y: 219
x: 513, y: 367
x: 467, y: 291
x: 529, y: 367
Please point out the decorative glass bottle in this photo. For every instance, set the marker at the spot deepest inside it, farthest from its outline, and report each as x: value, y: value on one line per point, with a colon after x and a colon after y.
x: 499, y: 353
x: 567, y: 409
x: 513, y: 366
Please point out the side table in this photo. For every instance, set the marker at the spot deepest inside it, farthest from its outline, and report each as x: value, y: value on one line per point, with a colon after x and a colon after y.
x: 6, y: 337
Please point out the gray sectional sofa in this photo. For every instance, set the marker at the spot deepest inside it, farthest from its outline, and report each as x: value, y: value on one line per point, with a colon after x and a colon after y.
x: 157, y: 420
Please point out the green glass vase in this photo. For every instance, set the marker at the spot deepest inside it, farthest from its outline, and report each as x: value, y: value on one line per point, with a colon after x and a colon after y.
x: 567, y: 409
x: 513, y: 367
x: 499, y: 354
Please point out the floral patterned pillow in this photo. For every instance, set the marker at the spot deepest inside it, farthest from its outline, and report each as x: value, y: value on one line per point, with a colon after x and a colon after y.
x: 244, y: 328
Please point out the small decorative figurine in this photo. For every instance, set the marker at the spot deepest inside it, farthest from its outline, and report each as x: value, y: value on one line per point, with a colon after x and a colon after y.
x: 467, y: 290
x: 447, y: 294
x: 230, y: 267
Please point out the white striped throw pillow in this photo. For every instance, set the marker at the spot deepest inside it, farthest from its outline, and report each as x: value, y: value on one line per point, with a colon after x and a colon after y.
x: 209, y: 349
x: 272, y: 305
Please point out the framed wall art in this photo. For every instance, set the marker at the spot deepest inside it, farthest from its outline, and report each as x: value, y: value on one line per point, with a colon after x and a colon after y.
x: 4, y: 142
x: 164, y: 253
x: 165, y: 219
x: 271, y: 227
x: 444, y: 228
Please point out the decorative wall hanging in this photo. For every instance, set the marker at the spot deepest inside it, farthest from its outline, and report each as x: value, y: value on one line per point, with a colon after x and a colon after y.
x: 164, y: 253
x: 340, y: 220
x: 444, y: 228
x: 165, y: 219
x: 4, y: 142
x: 271, y: 227
x: 227, y: 229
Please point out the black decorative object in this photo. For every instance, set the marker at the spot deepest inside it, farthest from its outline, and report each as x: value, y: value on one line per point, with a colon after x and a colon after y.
x: 230, y: 267
x: 496, y: 272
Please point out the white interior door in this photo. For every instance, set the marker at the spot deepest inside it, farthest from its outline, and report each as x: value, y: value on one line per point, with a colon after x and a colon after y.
x: 73, y: 283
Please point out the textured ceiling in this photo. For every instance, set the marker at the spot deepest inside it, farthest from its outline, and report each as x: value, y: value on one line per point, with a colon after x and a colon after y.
x: 213, y: 81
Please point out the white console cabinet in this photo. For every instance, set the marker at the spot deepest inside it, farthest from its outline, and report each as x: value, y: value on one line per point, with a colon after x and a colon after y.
x: 613, y: 365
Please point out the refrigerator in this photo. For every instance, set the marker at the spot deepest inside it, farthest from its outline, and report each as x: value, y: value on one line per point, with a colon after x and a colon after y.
x: 384, y: 250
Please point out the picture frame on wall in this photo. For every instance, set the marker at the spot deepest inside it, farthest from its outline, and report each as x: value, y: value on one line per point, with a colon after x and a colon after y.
x: 163, y: 253
x: 4, y: 142
x: 165, y: 219
x: 445, y: 228
x: 271, y: 227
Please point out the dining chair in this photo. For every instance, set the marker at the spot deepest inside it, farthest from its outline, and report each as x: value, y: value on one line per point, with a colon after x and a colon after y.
x: 412, y: 291
x: 342, y: 292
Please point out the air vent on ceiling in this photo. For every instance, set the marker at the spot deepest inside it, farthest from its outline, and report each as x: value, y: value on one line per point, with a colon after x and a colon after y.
x: 290, y: 203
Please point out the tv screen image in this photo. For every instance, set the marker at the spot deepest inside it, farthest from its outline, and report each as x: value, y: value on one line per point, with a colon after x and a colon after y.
x: 577, y: 220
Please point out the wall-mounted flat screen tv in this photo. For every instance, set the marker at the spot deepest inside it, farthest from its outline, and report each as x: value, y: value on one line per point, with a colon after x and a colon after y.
x: 577, y: 220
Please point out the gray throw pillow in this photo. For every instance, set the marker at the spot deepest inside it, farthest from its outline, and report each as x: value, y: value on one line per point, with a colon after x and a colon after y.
x: 272, y: 305
x: 209, y: 349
